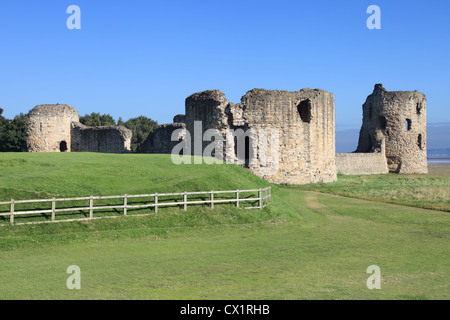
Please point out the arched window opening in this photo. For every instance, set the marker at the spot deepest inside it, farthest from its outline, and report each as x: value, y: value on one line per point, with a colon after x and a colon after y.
x: 408, y: 124
x: 420, y: 141
x: 419, y: 108
x: 304, y: 110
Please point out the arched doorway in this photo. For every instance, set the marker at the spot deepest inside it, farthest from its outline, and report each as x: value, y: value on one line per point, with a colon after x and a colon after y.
x: 63, y: 146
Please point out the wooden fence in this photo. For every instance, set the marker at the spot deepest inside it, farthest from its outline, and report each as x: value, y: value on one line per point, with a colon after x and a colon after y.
x: 260, y: 196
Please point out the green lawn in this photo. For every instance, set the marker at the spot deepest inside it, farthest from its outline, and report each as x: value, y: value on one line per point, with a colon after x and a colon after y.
x: 42, y: 175
x: 430, y: 191
x: 305, y: 245
x: 61, y: 175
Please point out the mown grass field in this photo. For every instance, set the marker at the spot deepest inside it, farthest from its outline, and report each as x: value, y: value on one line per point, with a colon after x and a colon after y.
x: 430, y: 191
x: 304, y: 245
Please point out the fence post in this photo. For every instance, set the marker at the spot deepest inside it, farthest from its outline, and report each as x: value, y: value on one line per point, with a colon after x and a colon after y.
x: 212, y: 199
x: 260, y: 198
x: 185, y: 201
x: 265, y: 197
x: 270, y: 194
x: 125, y: 204
x: 156, y: 203
x: 11, y: 216
x: 237, y: 198
x: 91, y: 207
x: 53, y: 209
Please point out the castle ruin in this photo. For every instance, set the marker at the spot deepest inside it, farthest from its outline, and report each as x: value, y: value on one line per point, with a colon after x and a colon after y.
x: 395, y: 123
x: 392, y: 136
x: 293, y: 138
x: 280, y: 136
x: 56, y: 128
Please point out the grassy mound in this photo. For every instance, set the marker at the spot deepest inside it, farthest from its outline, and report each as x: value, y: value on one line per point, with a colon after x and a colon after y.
x: 68, y: 175
x: 47, y: 175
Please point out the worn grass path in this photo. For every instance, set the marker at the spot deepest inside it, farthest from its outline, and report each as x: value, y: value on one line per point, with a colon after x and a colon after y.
x: 430, y: 191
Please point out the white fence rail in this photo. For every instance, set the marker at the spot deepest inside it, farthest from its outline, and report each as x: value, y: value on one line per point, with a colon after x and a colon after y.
x: 156, y: 201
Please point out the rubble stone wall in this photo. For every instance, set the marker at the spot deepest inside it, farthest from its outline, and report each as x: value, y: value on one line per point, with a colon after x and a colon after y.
x: 56, y: 128
x: 108, y: 139
x: 49, y: 128
x: 160, y: 141
x: 397, y: 120
x: 291, y: 135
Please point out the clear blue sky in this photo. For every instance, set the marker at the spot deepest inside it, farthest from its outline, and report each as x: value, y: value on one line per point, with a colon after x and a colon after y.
x: 143, y: 57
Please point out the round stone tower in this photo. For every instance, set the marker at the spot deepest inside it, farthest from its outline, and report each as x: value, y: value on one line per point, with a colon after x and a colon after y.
x: 49, y: 128
x: 394, y: 122
x: 281, y: 136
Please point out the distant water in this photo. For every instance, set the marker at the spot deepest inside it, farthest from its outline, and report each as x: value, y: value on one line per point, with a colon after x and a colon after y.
x: 443, y: 159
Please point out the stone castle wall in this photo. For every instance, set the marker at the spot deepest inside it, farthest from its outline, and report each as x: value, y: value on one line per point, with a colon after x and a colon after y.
x: 56, y: 128
x: 396, y: 119
x: 361, y: 163
x: 292, y: 134
x: 49, y: 128
x: 108, y: 139
x: 160, y: 141
x: 207, y: 108
x: 305, y: 122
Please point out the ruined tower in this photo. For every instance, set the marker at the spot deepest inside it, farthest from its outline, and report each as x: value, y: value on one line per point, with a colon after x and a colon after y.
x: 394, y: 123
x: 49, y: 128
x: 56, y: 128
x: 287, y: 137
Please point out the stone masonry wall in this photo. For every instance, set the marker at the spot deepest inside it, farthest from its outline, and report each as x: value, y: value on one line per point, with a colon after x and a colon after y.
x: 361, y: 163
x: 108, y: 139
x: 305, y: 122
x: 56, y: 128
x: 208, y: 108
x: 160, y: 140
x: 292, y: 134
x: 396, y: 121
x: 49, y: 128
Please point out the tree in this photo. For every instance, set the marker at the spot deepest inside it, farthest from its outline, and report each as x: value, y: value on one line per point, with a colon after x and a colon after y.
x: 13, y: 133
x: 141, y: 128
x: 18, y: 128
x: 97, y: 120
x: 3, y: 130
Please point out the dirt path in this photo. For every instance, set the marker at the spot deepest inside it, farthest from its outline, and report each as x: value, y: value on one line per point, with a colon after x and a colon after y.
x: 312, y: 202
